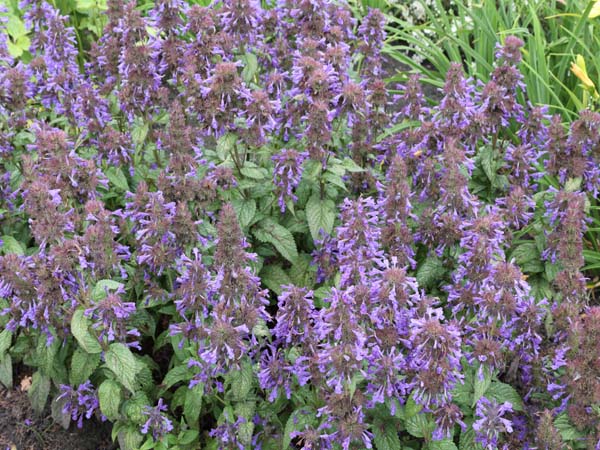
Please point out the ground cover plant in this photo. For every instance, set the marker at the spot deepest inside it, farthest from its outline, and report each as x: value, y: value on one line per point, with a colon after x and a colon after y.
x: 220, y: 229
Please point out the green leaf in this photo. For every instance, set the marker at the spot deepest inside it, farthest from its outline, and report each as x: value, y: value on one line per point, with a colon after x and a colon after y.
x: 463, y: 392
x: 481, y: 383
x: 6, y: 368
x: 102, y: 286
x: 250, y: 67
x: 351, y: 166
x: 193, y: 405
x: 444, y: 444
x: 60, y: 417
x: 573, y: 184
x: 503, y: 392
x: 109, y: 396
x: 187, y: 437
x: 225, y: 145
x: 116, y: 176
x: 488, y: 163
x: 302, y: 272
x: 280, y: 237
x: 38, y: 392
x: 566, y: 429
x: 130, y: 438
x: 245, y: 210
x: 176, y: 375
x: 139, y: 131
x: 419, y: 426
x: 15, y: 27
x: 5, y: 341
x: 412, y: 408
x: 14, y: 49
x: 83, y: 364
x: 245, y: 430
x: 121, y: 361
x: 80, y: 330
x: 273, y: 276
x: 385, y: 435
x: 467, y: 440
x: 298, y: 421
x: 11, y: 246
x: 528, y: 257
x: 256, y: 173
x: 242, y: 381
x: 430, y: 273
x: 320, y: 214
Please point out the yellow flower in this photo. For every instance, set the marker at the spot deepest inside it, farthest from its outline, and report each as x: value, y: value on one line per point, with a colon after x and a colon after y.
x: 595, y: 11
x: 578, y: 69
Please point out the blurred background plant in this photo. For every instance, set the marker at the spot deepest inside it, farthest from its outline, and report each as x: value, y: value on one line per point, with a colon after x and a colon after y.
x: 428, y: 35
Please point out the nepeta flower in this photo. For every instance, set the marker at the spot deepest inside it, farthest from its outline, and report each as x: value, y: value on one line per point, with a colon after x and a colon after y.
x: 79, y: 403
x: 287, y: 174
x: 110, y: 315
x: 491, y: 423
x: 157, y: 423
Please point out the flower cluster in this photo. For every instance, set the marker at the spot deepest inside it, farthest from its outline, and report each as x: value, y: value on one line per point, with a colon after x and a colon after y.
x: 228, y: 201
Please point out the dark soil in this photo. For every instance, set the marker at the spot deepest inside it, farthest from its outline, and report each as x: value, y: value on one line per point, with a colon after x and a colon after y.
x: 22, y: 429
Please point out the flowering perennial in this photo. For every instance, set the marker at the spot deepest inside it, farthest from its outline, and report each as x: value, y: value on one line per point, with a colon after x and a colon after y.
x: 220, y: 228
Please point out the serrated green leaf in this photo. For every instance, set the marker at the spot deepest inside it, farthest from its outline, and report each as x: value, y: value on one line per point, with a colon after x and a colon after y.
x: 102, y: 286
x: 121, y: 361
x: 242, y: 381
x: 6, y: 371
x: 419, y: 426
x: 488, y: 163
x: 245, y: 210
x: 385, y: 436
x: 273, y: 276
x: 116, y: 176
x: 176, y: 375
x: 573, y: 184
x: 463, y: 392
x: 187, y: 437
x: 273, y: 233
x: 481, y: 382
x: 503, y: 392
x: 551, y: 270
x: 430, y: 272
x: 139, y: 131
x: 351, y: 166
x: 250, y: 67
x: 445, y: 444
x: 83, y: 364
x: 566, y: 429
x: 411, y: 408
x: 38, y: 392
x: 467, y: 440
x: 528, y: 258
x: 14, y: 49
x: 256, y: 173
x: 225, y: 145
x: 80, y: 330
x: 109, y: 396
x: 15, y: 27
x: 320, y: 214
x: 11, y: 246
x: 130, y: 438
x: 192, y: 405
x: 302, y: 272
x: 5, y: 341
x: 245, y: 430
